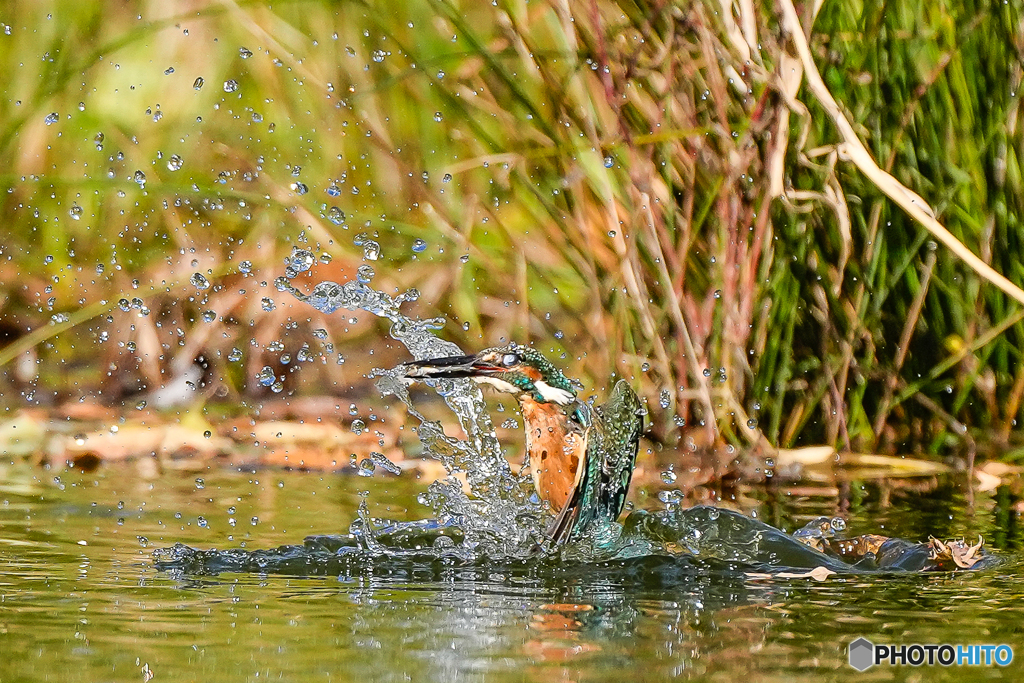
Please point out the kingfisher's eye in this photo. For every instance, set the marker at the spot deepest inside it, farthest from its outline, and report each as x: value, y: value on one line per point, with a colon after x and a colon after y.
x: 509, y: 359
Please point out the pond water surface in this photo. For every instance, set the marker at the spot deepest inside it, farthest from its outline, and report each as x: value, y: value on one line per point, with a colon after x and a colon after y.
x: 82, y: 600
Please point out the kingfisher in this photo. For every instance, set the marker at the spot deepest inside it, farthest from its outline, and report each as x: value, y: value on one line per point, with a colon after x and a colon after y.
x: 581, y: 457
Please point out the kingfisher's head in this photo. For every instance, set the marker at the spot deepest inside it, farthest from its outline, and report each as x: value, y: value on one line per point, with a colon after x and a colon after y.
x: 518, y: 370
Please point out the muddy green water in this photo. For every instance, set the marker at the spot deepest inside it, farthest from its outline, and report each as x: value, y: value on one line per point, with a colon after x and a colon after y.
x: 80, y: 599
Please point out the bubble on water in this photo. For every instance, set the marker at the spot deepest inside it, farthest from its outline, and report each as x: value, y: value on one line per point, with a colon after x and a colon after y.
x: 51, y: 118
x: 198, y: 83
x: 76, y: 212
x: 199, y: 281
x: 230, y: 85
x: 174, y: 163
x: 419, y: 246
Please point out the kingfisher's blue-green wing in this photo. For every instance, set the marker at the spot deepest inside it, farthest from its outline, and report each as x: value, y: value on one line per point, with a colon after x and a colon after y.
x: 612, y: 433
x: 622, y: 422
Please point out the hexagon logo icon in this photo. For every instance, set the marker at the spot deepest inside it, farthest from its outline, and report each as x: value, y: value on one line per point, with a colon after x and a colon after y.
x: 862, y: 654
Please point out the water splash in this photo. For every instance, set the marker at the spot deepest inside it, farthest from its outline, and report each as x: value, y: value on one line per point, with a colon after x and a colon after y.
x: 499, y: 524
x: 499, y: 516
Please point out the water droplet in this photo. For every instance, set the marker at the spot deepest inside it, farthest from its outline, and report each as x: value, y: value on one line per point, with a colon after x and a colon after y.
x: 419, y: 246
x: 209, y: 316
x: 371, y: 250
x: 235, y: 355
x: 51, y: 118
x: 378, y: 55
x: 447, y: 178
x: 168, y: 71
x: 245, y: 267
x: 299, y: 188
x: 438, y: 116
x: 230, y: 85
x: 76, y: 212
x: 364, y: 273
x: 198, y: 83
x: 199, y: 281
x: 752, y: 423
x: 244, y: 52
x: 358, y: 426
x: 336, y: 215
x: 140, y: 178
x: 267, y: 304
x: 669, y: 477
x: 665, y: 399
x: 200, y: 484
x: 382, y: 461
x: 718, y: 294
x: 366, y: 468
x: 300, y: 260
x: 175, y: 163
x: 266, y: 376
x: 609, y: 162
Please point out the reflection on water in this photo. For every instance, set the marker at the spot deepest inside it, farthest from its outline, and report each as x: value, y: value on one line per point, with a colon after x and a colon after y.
x: 80, y: 598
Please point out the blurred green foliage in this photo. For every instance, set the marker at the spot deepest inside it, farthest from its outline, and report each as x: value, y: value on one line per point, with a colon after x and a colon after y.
x: 591, y: 177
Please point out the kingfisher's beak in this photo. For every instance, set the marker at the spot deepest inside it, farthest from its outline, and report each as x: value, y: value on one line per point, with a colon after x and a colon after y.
x: 449, y: 367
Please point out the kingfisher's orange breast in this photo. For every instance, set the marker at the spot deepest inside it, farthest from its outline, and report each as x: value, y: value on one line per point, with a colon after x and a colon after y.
x: 555, y: 450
